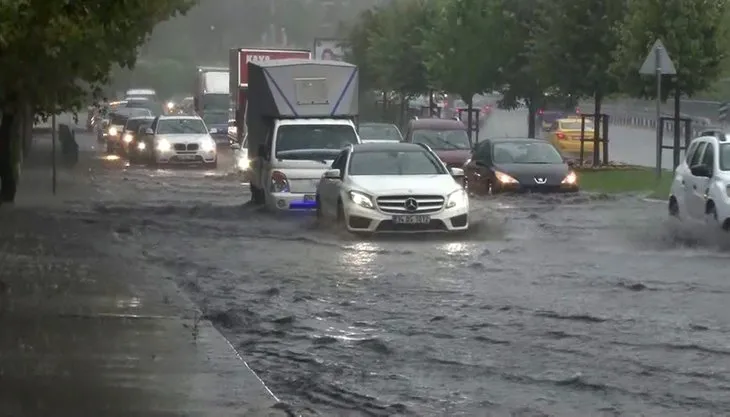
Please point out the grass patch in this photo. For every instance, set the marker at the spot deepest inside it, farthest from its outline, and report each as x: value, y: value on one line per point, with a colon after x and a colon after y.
x: 626, y: 180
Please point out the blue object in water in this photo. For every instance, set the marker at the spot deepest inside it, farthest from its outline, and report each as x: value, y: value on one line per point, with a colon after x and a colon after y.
x: 303, y: 205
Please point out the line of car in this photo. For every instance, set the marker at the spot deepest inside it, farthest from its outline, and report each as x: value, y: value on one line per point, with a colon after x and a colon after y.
x: 160, y: 140
x: 383, y: 181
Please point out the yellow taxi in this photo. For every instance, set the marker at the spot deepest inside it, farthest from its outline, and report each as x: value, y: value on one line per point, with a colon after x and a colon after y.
x: 565, y: 135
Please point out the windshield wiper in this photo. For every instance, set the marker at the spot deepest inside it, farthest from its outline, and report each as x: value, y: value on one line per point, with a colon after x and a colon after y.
x: 445, y: 142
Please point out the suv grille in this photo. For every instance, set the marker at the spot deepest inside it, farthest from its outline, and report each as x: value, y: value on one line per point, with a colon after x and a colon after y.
x: 397, y: 204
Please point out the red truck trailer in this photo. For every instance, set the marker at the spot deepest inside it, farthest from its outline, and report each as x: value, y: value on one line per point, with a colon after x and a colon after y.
x: 238, y: 68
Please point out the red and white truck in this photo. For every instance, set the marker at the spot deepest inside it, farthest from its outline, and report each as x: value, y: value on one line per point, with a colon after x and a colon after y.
x: 238, y: 67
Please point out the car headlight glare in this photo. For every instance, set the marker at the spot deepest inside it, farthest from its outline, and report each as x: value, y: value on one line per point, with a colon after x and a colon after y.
x: 208, y: 145
x: 243, y: 164
x: 457, y: 198
x: 141, y: 146
x: 128, y: 138
x: 113, y: 131
x: 504, y: 178
x: 163, y: 145
x: 570, y: 179
x: 362, y: 200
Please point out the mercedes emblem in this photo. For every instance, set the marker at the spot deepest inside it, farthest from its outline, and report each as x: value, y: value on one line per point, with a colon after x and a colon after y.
x: 411, y: 205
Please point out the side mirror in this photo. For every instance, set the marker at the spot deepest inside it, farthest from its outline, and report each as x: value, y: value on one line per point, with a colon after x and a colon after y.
x: 235, y: 146
x: 332, y: 174
x: 456, y: 172
x: 149, y: 131
x: 701, y: 171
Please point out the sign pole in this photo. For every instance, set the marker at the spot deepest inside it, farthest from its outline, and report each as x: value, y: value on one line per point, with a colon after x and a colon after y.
x: 53, y: 152
x: 657, y: 62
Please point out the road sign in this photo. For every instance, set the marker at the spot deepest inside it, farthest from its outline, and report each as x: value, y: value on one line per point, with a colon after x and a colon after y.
x: 723, y: 111
x: 663, y: 65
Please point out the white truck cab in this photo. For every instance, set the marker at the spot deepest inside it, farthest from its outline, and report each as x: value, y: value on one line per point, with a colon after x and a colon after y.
x: 299, y: 116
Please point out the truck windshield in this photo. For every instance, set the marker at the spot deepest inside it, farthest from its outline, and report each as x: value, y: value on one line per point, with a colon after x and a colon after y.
x: 181, y: 127
x: 295, y: 141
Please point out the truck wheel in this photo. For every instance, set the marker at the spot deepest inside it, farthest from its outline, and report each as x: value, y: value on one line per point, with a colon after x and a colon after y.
x: 257, y: 195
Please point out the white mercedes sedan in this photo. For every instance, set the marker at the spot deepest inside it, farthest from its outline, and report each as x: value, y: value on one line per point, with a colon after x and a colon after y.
x: 393, y: 187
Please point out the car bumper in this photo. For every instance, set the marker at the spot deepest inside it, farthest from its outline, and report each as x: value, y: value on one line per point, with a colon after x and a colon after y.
x: 186, y: 157
x: 537, y: 188
x: 573, y: 146
x: 365, y: 220
x: 291, y: 201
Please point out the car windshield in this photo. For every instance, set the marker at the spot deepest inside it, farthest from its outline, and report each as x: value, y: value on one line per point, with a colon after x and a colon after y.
x: 443, y: 139
x: 415, y: 162
x: 216, y: 118
x: 299, y: 141
x: 133, y: 125
x: 525, y: 153
x: 181, y: 126
x: 725, y: 156
x: 380, y: 132
x: 215, y: 101
x: 575, y: 125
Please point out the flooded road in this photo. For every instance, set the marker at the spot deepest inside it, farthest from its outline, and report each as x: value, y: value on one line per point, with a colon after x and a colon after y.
x: 550, y: 306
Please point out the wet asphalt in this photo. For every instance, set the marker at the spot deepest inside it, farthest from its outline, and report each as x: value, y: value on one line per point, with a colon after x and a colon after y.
x: 582, y: 305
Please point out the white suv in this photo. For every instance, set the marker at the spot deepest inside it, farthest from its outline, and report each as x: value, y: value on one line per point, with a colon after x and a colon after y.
x: 701, y: 188
x: 393, y: 187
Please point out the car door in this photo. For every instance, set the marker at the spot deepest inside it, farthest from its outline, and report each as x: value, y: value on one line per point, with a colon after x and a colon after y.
x: 682, y: 173
x: 694, y: 199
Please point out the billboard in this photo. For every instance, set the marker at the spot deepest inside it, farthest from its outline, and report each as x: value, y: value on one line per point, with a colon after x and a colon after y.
x: 326, y: 49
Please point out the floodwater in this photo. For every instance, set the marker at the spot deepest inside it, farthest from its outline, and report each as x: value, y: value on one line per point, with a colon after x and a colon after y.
x: 583, y: 305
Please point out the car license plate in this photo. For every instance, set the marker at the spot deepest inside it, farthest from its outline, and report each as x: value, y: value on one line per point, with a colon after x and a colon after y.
x: 412, y: 219
x: 187, y: 157
x: 309, y: 197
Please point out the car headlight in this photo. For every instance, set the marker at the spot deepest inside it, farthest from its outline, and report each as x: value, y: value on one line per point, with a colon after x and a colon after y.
x: 457, y: 198
x: 504, y: 178
x: 727, y: 190
x: 141, y: 146
x: 362, y: 200
x: 128, y: 138
x: 163, y: 145
x: 208, y: 145
x: 243, y: 164
x: 113, y: 131
x: 570, y: 179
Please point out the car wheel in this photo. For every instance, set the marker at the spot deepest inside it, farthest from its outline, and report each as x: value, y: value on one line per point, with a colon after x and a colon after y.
x: 711, y: 214
x: 340, y: 213
x: 673, y: 207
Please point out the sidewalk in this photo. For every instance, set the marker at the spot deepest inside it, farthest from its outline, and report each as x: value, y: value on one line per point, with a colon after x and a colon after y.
x: 82, y: 334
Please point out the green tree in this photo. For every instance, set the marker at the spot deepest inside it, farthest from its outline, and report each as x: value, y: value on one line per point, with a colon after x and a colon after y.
x: 577, y: 49
x: 520, y: 75
x: 358, y: 36
x: 461, y: 48
x: 694, y: 33
x: 394, y: 50
x: 55, y: 54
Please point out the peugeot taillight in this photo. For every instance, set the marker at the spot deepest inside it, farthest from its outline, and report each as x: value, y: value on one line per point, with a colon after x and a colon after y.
x: 279, y: 182
x: 560, y: 135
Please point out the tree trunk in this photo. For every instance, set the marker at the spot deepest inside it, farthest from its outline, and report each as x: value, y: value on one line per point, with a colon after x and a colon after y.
x: 531, y: 117
x: 8, y: 159
x: 402, y: 111
x: 598, y: 97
